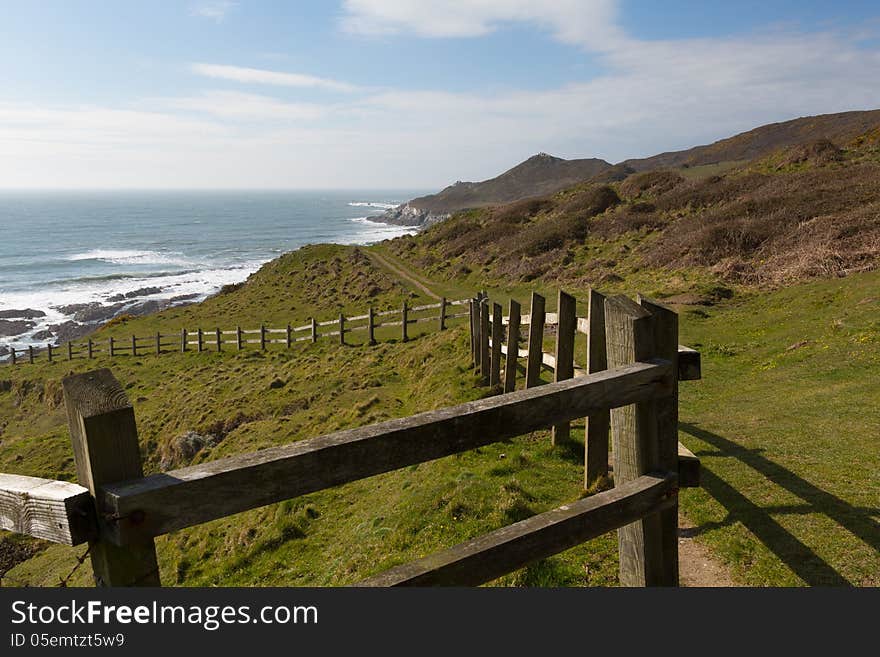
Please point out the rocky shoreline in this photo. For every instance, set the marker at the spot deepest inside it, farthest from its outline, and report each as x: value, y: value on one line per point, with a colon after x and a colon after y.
x: 408, y: 215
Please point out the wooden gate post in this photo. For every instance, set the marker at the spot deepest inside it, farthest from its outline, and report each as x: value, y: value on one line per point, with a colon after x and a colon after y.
x: 134, y: 348
x: 112, y: 352
x: 341, y: 328
x: 404, y: 323
x: 262, y: 337
x: 288, y: 336
x: 566, y: 312
x: 219, y: 339
x: 371, y: 326
x: 512, y: 347
x: 485, y: 365
x: 597, y: 425
x: 472, y: 313
x: 644, y: 553
x: 536, y: 341
x: 497, y: 331
x: 158, y: 343
x: 105, y: 449
x: 666, y: 347
x: 443, y: 314
x: 91, y: 348
x: 183, y: 340
x: 70, y: 351
x: 31, y: 353
x: 314, y: 330
x: 49, y: 349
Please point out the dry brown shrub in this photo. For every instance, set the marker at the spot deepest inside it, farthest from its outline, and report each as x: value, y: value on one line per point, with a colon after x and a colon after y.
x: 651, y: 183
x: 591, y: 201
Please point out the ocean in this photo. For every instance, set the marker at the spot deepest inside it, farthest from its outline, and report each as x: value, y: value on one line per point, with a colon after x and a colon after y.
x: 99, y: 253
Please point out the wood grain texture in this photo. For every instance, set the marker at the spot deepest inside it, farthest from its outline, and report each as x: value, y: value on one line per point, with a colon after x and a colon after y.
x: 485, y: 363
x: 688, y: 468
x: 492, y: 555
x: 598, y: 425
x: 495, y: 358
x: 180, y: 498
x: 566, y: 308
x: 536, y: 340
x: 105, y: 449
x: 56, y: 511
x: 512, y: 346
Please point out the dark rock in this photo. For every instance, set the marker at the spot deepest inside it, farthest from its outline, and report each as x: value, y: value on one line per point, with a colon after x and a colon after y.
x: 43, y: 335
x: 27, y: 313
x: 96, y: 312
x: 67, y: 331
x: 184, y: 448
x: 277, y: 383
x: 74, y: 308
x: 146, y: 307
x: 4, y: 350
x: 116, y: 297
x: 183, y: 297
x: 143, y: 292
x: 16, y: 327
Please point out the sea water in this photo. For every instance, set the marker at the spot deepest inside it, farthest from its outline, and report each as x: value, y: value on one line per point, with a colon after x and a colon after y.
x: 59, y: 249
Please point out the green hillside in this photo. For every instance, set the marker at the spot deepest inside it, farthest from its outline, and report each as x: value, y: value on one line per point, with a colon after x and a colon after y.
x: 772, y: 268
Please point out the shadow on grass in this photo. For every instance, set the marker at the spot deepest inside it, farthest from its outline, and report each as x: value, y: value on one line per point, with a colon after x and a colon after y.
x: 797, y: 556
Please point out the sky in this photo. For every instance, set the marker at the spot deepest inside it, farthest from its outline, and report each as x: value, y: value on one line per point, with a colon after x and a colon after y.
x: 383, y: 94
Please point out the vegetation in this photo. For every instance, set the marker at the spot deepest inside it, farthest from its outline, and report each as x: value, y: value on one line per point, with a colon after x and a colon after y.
x: 762, y: 260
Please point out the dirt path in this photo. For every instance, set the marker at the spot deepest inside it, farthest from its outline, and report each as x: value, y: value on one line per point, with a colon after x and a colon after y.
x: 382, y: 261
x: 696, y: 564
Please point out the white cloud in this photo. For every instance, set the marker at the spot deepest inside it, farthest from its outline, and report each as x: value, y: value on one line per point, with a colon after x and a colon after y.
x: 216, y: 11
x: 588, y: 23
x: 262, y: 76
x: 652, y: 96
x: 244, y: 107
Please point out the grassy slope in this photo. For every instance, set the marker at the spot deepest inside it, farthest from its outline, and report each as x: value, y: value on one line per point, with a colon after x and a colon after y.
x: 788, y: 437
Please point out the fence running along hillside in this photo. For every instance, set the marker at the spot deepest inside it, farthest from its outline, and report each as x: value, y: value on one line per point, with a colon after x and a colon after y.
x: 496, y: 355
x: 237, y: 339
x: 119, y: 512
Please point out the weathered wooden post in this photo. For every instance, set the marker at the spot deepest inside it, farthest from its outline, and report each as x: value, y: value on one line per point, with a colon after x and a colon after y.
x: 105, y: 450
x: 30, y: 354
x: 341, y: 328
x: 70, y: 351
x: 666, y: 347
x: 111, y: 346
x: 289, y: 335
x: 314, y: 330
x: 238, y: 338
x: 91, y: 348
x: 371, y: 326
x: 443, y: 314
x: 263, y: 337
x: 485, y: 364
x: 49, y: 351
x: 647, y: 545
x: 512, y: 347
x: 405, y: 321
x: 158, y: 343
x: 219, y: 340
x: 566, y: 312
x: 12, y: 353
x: 134, y: 349
x: 497, y: 332
x: 199, y: 338
x: 597, y: 425
x: 472, y: 314
x: 536, y: 341
x: 183, y: 339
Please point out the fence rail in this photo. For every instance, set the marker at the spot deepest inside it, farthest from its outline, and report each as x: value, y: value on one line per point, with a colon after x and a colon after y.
x: 119, y: 511
x: 211, y: 339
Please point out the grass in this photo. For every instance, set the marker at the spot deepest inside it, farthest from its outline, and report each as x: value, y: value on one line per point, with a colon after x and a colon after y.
x: 784, y: 421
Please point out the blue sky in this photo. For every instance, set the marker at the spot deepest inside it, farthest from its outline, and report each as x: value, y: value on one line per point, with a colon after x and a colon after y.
x: 402, y: 93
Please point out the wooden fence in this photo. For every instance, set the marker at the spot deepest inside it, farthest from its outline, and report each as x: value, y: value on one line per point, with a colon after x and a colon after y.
x: 118, y: 511
x: 216, y: 339
x: 496, y: 355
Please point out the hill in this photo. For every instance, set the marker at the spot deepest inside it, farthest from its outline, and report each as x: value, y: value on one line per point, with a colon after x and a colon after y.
x: 539, y: 175
x: 803, y: 212
x: 839, y: 128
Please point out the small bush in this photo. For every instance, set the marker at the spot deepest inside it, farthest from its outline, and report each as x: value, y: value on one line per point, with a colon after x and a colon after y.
x: 651, y: 183
x: 591, y: 201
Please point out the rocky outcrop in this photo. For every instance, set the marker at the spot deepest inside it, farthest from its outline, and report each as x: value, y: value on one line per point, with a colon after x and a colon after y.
x: 408, y: 215
x: 27, y: 313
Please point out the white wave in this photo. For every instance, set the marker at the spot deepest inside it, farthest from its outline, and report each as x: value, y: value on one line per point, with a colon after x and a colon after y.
x: 370, y: 204
x: 130, y: 257
x: 374, y: 231
x: 51, y: 299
